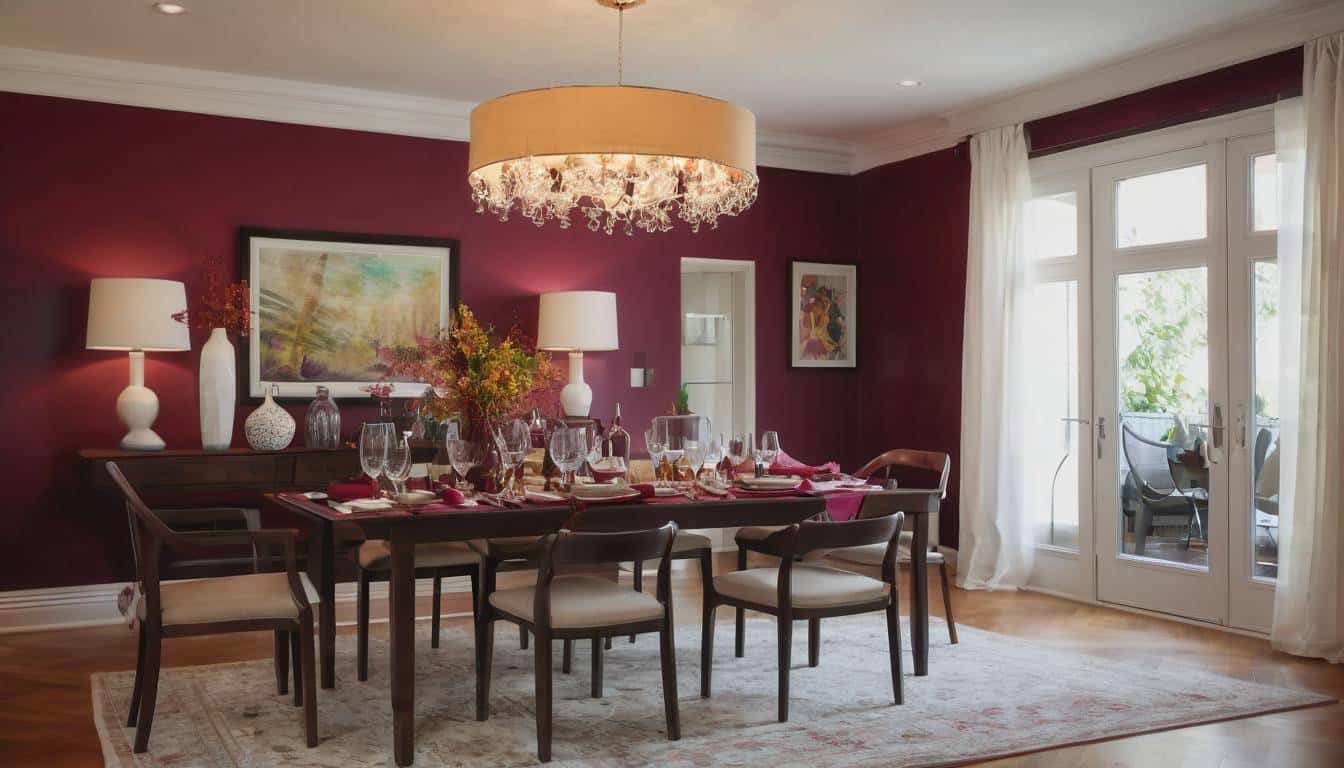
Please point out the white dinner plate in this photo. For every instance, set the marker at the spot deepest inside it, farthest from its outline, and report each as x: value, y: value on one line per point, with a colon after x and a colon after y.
x: 770, y: 482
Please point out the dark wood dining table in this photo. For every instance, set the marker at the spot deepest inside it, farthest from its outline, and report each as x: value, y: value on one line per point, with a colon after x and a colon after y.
x: 404, y: 527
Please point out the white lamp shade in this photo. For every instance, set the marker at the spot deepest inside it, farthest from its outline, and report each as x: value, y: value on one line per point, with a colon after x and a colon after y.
x: 137, y: 313
x: 577, y: 321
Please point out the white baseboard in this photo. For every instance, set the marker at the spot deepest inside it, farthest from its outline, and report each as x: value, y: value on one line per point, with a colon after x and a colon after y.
x: 91, y: 605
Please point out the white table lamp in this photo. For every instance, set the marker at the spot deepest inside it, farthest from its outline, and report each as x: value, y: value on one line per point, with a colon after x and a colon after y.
x: 136, y: 315
x: 577, y: 322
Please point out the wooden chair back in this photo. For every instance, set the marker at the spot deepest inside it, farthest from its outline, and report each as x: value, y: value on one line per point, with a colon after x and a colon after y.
x: 582, y: 548
x: 801, y: 538
x: 909, y: 459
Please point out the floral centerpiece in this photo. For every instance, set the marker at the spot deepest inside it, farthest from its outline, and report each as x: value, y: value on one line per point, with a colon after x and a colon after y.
x: 477, y: 375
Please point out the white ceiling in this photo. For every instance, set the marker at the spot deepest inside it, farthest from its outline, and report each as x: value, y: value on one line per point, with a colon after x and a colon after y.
x: 820, y: 68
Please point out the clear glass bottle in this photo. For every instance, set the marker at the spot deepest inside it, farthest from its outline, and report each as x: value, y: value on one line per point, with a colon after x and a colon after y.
x: 618, y: 440
x: 322, y: 426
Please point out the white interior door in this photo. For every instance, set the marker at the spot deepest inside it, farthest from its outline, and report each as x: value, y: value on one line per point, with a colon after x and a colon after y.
x: 1161, y: 390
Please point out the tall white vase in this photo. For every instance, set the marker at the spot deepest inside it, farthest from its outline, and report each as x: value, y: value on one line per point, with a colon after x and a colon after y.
x: 219, y: 391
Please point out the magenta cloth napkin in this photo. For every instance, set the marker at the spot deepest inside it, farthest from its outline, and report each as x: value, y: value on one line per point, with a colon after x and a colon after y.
x: 453, y: 497
x: 787, y: 465
x: 645, y: 490
x: 842, y: 506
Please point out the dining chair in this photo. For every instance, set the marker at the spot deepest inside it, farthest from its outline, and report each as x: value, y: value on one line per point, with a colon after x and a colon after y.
x: 804, y: 591
x: 1150, y: 493
x: 433, y: 560
x: 266, y: 600
x: 571, y: 607
x: 868, y: 560
x: 686, y: 546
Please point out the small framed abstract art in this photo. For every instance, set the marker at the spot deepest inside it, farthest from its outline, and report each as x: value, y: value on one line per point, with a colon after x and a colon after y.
x: 330, y: 306
x: 823, y: 301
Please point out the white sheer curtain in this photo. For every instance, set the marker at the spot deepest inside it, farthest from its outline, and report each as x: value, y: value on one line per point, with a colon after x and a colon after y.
x: 995, y: 549
x: 1309, y: 598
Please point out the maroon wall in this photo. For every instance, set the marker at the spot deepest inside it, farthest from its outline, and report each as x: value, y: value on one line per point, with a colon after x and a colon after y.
x: 1240, y: 86
x: 99, y: 190
x: 913, y: 233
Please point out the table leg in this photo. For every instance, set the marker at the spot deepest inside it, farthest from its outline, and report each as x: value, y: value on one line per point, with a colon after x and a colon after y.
x: 402, y: 593
x: 322, y: 571
x: 919, y: 596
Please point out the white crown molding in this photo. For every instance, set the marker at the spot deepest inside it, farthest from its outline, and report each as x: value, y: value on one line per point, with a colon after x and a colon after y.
x: 115, y: 81
x: 91, y: 605
x: 1241, y: 41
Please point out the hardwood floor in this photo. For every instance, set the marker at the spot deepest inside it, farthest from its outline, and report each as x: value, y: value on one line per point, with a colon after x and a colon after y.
x: 47, y: 717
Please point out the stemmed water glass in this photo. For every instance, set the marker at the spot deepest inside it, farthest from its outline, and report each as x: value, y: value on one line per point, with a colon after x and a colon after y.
x: 464, y: 455
x: 655, y: 447
x: 714, y: 454
x: 695, y: 451
x: 513, y: 440
x: 769, y: 450
x: 569, y: 448
x: 738, y: 447
x: 399, y: 463
x: 373, y: 439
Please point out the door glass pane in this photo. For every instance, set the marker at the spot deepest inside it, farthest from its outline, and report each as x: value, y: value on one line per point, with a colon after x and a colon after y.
x: 1054, y: 432
x: 1264, y: 435
x: 1163, y: 347
x: 1052, y: 226
x: 1166, y: 207
x: 1265, y: 193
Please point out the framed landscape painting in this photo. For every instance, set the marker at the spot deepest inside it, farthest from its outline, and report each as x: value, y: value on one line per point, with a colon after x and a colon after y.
x: 329, y: 306
x: 823, y: 301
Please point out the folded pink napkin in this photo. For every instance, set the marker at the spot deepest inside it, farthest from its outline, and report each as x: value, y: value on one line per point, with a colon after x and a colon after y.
x: 787, y: 465
x: 645, y: 490
x: 453, y: 497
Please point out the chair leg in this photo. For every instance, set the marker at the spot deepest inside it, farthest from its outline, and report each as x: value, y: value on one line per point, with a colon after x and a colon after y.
x: 543, y: 703
x: 894, y: 648
x: 150, y: 689
x: 522, y: 637
x: 813, y: 642
x: 475, y: 592
x: 740, y: 629
x: 706, y: 621
x: 485, y: 659
x: 597, y: 668
x: 947, y: 603
x: 638, y: 573
x: 706, y: 648
x: 282, y: 662
x: 785, y: 629
x: 436, y: 612
x: 606, y: 642
x: 668, y: 658
x: 294, y: 651
x: 362, y: 626
x: 567, y: 658
x: 140, y: 675
x: 306, y: 659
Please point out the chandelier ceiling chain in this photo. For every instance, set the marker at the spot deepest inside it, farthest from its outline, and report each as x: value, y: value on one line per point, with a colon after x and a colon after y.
x: 624, y: 156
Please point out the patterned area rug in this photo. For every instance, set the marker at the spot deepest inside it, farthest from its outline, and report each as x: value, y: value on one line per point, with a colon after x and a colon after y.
x: 988, y: 696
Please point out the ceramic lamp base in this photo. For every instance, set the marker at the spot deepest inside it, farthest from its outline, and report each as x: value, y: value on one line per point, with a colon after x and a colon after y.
x: 576, y: 399
x: 138, y: 407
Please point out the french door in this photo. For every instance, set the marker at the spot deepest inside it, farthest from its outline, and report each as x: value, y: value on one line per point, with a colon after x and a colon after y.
x: 1184, y: 362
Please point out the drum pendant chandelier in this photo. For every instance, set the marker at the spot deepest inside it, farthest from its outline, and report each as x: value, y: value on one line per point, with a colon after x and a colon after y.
x: 627, y: 157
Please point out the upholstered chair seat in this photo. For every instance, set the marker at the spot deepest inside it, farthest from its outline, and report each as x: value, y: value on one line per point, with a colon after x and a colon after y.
x: 688, y: 542
x: 813, y: 586
x: 230, y: 598
x: 511, y: 548
x: 376, y: 555
x: 582, y: 602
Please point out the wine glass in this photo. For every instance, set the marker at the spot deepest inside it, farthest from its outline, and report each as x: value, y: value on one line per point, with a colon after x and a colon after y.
x: 399, y: 463
x: 769, y: 448
x: 373, y: 440
x: 714, y: 454
x: 655, y: 448
x: 513, y: 441
x: 737, y: 451
x: 464, y: 455
x: 695, y: 456
x: 568, y: 448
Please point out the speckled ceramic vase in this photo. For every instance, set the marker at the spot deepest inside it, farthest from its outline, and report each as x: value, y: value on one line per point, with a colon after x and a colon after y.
x: 270, y: 427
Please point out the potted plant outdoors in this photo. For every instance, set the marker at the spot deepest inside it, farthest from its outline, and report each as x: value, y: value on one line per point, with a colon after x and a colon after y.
x: 479, y: 378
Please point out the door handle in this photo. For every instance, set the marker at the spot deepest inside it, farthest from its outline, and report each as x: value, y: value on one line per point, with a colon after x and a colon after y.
x: 1216, y: 433
x: 1101, y: 434
x: 1241, y: 425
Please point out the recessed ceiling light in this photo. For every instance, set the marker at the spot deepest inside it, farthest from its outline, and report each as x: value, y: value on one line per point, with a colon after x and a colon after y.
x: 170, y: 9
x: 909, y: 83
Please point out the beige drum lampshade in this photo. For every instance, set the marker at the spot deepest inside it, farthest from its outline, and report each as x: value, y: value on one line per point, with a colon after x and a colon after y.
x: 137, y: 314
x: 577, y: 321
